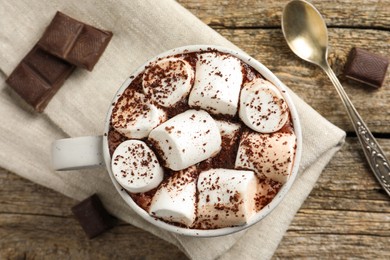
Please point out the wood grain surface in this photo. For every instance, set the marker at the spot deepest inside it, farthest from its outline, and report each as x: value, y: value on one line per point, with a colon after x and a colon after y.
x: 347, y: 215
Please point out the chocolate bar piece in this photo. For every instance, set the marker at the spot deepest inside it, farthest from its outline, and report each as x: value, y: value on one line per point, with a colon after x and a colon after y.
x: 92, y: 216
x: 366, y: 67
x: 38, y: 77
x: 76, y: 42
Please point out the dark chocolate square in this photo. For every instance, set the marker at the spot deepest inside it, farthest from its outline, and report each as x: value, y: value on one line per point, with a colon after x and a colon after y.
x: 49, y: 67
x: 74, y: 41
x: 92, y: 216
x: 60, y: 35
x: 28, y: 85
x: 366, y: 67
x: 38, y: 77
x: 88, y: 48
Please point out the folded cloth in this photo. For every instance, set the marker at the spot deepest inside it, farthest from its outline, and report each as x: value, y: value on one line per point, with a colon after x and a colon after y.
x: 141, y: 30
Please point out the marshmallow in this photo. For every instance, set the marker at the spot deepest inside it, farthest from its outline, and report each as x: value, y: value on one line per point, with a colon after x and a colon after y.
x: 228, y: 129
x: 230, y: 135
x: 134, y: 117
x: 167, y: 81
x: 270, y: 155
x: 175, y: 200
x: 226, y: 197
x: 135, y: 167
x: 186, y: 139
x: 217, y: 83
x: 262, y: 106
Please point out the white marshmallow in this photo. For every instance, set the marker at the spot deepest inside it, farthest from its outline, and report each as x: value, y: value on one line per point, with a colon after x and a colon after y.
x: 135, y: 167
x: 270, y: 155
x: 262, y: 106
x: 228, y: 129
x: 175, y: 200
x: 134, y: 117
x: 217, y: 83
x: 186, y: 139
x: 226, y: 197
x: 167, y: 81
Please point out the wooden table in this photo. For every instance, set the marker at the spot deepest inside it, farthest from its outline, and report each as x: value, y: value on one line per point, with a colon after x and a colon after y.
x: 346, y: 215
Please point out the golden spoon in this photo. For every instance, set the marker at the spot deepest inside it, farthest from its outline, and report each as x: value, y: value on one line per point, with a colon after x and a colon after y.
x: 306, y: 34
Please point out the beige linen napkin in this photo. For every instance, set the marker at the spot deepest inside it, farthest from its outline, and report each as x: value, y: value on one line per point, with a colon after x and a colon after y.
x: 141, y: 30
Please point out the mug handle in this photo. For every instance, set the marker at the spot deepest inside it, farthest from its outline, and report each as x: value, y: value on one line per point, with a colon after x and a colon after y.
x: 77, y: 153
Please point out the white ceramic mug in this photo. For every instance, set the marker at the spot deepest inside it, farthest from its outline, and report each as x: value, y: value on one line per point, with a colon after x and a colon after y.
x: 89, y: 151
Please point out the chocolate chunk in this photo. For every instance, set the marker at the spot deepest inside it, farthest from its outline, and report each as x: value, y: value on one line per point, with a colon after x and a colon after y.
x: 76, y: 42
x: 65, y: 43
x: 93, y: 217
x: 366, y: 67
x: 38, y: 77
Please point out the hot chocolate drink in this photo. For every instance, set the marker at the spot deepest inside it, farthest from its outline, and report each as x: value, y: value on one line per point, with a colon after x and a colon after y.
x: 201, y: 140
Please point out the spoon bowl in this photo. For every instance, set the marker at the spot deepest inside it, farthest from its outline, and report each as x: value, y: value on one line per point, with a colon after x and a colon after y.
x: 308, y: 40
x: 307, y: 36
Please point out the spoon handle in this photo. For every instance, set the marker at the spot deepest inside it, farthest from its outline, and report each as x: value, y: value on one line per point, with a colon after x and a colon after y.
x: 377, y: 160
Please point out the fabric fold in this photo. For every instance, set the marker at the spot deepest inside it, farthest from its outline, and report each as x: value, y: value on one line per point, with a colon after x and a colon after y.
x: 79, y: 109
